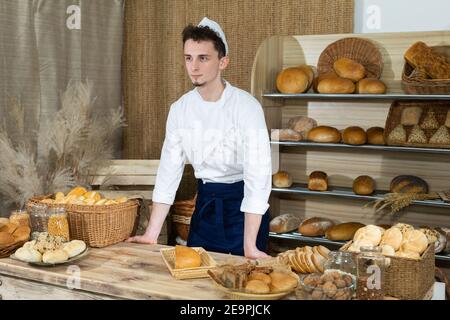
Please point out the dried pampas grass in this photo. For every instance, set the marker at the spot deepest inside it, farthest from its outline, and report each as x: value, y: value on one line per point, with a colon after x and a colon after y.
x: 72, y: 145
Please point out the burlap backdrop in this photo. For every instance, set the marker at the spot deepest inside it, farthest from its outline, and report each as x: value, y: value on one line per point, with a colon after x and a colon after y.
x: 153, y: 69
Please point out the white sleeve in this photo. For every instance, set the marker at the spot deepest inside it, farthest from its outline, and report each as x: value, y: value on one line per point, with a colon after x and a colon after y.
x: 257, y: 161
x: 171, y: 164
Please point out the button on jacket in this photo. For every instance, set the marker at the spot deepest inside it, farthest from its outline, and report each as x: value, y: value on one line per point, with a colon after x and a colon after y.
x: 225, y: 141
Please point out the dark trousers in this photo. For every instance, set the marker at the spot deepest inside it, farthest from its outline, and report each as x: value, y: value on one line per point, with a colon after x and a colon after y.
x: 218, y: 223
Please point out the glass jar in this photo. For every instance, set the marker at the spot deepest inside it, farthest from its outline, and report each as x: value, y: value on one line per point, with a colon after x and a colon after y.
x: 370, y: 267
x: 39, y: 218
x: 20, y: 217
x: 342, y: 261
x: 58, y: 225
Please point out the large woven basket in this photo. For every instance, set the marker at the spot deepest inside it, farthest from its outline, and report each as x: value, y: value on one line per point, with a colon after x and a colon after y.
x: 360, y: 50
x: 9, y: 250
x: 440, y: 108
x: 408, y: 279
x: 182, y: 218
x: 98, y: 226
x: 413, y: 83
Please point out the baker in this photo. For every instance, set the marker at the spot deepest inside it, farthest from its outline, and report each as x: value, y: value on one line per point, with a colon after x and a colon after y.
x: 221, y: 131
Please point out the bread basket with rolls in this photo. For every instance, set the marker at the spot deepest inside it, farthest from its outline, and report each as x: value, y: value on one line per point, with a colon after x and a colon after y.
x: 97, y: 225
x: 416, y: 79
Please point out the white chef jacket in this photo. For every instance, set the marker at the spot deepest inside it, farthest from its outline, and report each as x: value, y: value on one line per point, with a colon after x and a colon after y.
x: 225, y: 141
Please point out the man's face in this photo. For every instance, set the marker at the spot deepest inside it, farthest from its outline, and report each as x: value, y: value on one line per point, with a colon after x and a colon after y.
x: 202, y: 62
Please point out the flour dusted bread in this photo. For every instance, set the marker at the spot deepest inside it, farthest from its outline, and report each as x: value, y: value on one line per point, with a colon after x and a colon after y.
x: 411, y: 116
x: 370, y: 233
x: 285, y: 135
x: 414, y: 241
x: 74, y: 247
x: 392, y: 237
x: 55, y: 256
x: 284, y: 223
x: 28, y: 254
x: 302, y: 124
x: 315, y: 226
x: 186, y: 257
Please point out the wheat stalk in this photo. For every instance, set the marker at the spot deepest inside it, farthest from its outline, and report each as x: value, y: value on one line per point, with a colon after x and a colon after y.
x: 399, y: 201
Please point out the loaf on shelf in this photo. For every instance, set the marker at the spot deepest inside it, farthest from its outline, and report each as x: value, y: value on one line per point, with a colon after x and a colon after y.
x: 282, y: 179
x: 284, y: 223
x: 375, y: 135
x: 354, y: 135
x: 343, y: 231
x: 315, y: 226
x: 324, y: 134
x: 318, y: 181
x: 363, y: 185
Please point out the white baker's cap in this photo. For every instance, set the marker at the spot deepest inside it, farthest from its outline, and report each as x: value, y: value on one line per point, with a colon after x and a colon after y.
x: 217, y: 29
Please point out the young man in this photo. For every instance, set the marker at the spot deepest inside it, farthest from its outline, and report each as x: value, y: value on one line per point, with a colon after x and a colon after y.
x: 221, y: 131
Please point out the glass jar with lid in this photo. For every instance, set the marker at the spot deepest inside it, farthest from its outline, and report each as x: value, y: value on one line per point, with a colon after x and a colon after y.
x: 39, y: 217
x: 58, y: 224
x: 342, y: 261
x: 370, y: 269
x: 20, y: 217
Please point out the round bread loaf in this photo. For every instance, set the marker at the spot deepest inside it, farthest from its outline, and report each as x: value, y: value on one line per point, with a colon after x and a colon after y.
x: 370, y: 86
x: 55, y: 256
x: 375, y: 135
x: 318, y: 181
x: 408, y: 184
x: 392, y: 237
x: 292, y: 80
x: 315, y: 226
x: 282, y: 282
x: 343, y: 231
x: 363, y: 185
x: 321, y: 77
x: 414, y: 241
x: 308, y: 70
x: 260, y: 276
x: 257, y: 286
x: 186, y: 257
x: 282, y: 179
x: 369, y: 233
x: 336, y: 85
x: 349, y: 69
x: 354, y: 135
x: 28, y: 255
x: 324, y: 134
x: 6, y: 239
x: 302, y: 124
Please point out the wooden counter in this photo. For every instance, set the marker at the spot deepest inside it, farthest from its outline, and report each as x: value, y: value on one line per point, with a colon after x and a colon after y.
x: 121, y: 271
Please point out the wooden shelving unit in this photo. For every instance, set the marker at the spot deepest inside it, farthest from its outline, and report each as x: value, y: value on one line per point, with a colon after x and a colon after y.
x: 343, y: 163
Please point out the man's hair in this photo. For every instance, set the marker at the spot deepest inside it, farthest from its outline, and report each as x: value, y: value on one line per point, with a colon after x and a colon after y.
x: 204, y: 34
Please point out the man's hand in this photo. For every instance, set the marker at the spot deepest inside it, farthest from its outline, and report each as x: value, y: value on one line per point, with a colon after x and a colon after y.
x: 254, y: 253
x: 147, y: 239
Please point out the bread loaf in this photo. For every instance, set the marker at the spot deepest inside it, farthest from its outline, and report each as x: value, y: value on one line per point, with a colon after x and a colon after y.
x: 318, y: 181
x: 255, y: 275
x: 292, y: 80
x: 6, y: 239
x: 441, y: 136
x: 363, y: 185
x: 370, y: 86
x: 282, y: 282
x: 285, y: 135
x: 430, y: 121
x: 411, y: 116
x: 323, y: 76
x: 408, y: 184
x: 417, y: 135
x: 324, y: 134
x: 302, y: 124
x: 354, y: 135
x: 186, y: 257
x: 308, y: 70
x: 336, y: 85
x: 392, y: 237
x: 257, y: 286
x: 375, y: 135
x: 349, y: 69
x: 28, y: 255
x: 397, y: 135
x: 282, y: 179
x: 284, y: 223
x: 315, y: 226
x: 343, y: 231
x: 414, y: 241
x: 435, y: 65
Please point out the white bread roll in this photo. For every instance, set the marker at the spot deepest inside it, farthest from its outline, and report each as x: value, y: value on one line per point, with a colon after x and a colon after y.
x: 28, y: 255
x: 370, y: 233
x: 392, y: 237
x: 55, y: 256
x: 74, y: 247
x: 414, y: 241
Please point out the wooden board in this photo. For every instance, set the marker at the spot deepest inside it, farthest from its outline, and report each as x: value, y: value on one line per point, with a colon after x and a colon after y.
x: 124, y: 270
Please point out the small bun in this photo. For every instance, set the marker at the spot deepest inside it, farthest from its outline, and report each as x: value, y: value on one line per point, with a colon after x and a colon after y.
x: 354, y: 136
x: 349, y: 69
x: 282, y: 179
x: 257, y: 286
x: 55, y: 256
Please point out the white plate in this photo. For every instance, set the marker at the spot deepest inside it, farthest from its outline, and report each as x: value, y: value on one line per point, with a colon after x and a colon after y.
x: 43, y: 264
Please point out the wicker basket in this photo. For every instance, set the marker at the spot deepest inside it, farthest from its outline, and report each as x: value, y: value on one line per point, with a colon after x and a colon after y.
x: 5, y: 252
x: 360, y: 50
x: 418, y: 85
x: 182, y: 217
x: 440, y: 109
x: 208, y: 263
x: 241, y: 295
x: 98, y: 226
x: 408, y: 279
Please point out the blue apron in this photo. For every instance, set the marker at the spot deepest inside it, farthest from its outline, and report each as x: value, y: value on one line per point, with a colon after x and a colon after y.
x: 218, y: 223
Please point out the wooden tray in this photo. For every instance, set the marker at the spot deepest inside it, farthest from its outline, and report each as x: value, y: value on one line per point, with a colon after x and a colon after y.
x: 440, y: 109
x: 168, y: 255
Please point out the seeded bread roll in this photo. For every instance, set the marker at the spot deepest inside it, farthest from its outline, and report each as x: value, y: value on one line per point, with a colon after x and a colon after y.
x: 375, y: 135
x: 318, y: 181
